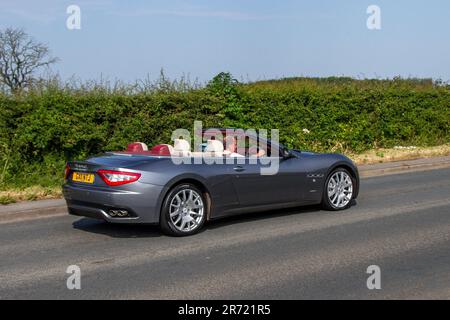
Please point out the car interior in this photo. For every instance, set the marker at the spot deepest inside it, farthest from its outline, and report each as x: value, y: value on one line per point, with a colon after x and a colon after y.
x: 212, y: 148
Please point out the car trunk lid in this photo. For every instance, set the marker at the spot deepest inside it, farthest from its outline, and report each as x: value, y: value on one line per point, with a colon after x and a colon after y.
x: 86, y: 172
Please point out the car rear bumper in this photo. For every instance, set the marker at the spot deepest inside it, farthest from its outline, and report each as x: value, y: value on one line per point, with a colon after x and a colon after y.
x: 94, y: 202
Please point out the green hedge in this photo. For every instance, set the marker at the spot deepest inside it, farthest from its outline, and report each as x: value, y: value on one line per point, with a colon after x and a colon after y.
x: 42, y: 129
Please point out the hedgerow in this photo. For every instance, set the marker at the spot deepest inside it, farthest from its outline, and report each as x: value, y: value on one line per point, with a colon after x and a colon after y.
x: 42, y: 129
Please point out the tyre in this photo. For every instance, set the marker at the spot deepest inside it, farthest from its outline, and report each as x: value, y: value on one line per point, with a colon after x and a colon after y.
x: 338, y: 191
x: 184, y: 211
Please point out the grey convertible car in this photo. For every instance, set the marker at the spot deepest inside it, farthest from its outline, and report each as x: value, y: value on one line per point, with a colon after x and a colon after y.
x: 166, y: 186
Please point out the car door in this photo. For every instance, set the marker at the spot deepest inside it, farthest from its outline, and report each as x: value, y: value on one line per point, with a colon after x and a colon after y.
x: 254, y: 188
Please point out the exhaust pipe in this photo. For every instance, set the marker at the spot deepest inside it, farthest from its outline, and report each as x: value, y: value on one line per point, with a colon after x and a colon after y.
x: 119, y: 213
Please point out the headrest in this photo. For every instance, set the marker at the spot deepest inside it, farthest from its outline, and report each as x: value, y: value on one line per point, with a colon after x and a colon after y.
x: 162, y: 150
x: 137, y: 147
x: 181, y: 145
x: 214, y: 146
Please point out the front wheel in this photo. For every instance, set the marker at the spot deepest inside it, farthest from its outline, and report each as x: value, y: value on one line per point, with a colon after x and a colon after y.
x: 338, y: 193
x: 184, y: 211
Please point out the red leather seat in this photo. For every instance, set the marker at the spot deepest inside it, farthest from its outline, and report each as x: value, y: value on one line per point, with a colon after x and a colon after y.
x: 137, y: 147
x: 160, y: 150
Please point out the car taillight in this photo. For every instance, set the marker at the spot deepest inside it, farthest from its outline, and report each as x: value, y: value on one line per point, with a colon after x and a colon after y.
x: 117, y: 178
x: 66, y: 172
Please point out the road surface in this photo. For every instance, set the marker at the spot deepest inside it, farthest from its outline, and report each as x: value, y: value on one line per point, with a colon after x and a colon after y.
x: 401, y: 223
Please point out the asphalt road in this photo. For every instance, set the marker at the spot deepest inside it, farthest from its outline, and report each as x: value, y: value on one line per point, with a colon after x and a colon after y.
x: 401, y: 223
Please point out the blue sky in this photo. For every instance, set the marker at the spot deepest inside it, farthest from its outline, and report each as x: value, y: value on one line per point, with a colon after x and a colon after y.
x: 252, y: 39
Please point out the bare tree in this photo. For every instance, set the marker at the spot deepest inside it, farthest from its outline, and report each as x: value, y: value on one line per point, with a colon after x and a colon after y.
x: 20, y: 58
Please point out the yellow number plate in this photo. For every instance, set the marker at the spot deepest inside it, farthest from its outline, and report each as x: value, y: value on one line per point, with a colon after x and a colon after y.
x: 83, y: 177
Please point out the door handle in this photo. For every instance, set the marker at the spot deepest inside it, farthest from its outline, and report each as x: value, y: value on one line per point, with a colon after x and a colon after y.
x: 238, y: 169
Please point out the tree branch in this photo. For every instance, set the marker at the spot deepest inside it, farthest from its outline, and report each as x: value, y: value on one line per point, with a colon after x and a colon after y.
x: 21, y: 57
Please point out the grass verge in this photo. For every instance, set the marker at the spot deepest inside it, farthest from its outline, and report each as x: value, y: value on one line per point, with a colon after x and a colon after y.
x: 399, y: 153
x: 12, y: 195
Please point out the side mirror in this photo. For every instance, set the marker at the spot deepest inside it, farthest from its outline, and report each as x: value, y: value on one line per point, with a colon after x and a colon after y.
x: 286, y: 153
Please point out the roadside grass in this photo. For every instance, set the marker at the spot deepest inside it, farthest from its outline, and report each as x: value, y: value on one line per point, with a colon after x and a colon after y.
x: 399, y: 153
x: 11, y: 194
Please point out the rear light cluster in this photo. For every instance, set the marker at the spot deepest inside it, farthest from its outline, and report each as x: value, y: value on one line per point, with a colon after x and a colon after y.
x: 66, y: 172
x: 117, y: 178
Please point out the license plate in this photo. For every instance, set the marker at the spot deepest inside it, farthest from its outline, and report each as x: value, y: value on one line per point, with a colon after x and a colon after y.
x: 83, y: 177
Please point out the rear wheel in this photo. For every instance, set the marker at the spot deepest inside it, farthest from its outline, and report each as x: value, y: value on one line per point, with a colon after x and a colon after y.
x: 184, y: 210
x: 338, y: 193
